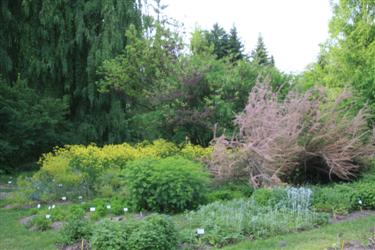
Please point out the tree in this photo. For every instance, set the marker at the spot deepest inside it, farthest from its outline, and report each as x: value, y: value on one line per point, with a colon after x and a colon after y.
x: 235, y: 45
x: 57, y: 47
x: 219, y: 38
x: 348, y: 57
x: 260, y: 54
x: 30, y: 124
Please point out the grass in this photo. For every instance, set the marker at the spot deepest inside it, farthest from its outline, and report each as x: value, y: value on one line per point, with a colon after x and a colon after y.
x: 14, y: 236
x: 316, y: 239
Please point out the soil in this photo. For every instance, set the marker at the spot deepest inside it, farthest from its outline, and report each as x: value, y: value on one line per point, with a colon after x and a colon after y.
x: 352, y: 216
x: 356, y: 245
x: 57, y: 225
x: 3, y: 195
x: 25, y: 221
x: 77, y: 246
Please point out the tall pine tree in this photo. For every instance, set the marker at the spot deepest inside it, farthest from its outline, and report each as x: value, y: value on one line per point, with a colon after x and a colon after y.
x: 260, y: 56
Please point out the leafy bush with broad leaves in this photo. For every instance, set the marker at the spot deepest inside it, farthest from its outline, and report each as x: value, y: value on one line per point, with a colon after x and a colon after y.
x: 110, y: 236
x: 76, y: 228
x: 154, y: 232
x: 171, y: 184
x: 337, y: 199
x: 346, y: 197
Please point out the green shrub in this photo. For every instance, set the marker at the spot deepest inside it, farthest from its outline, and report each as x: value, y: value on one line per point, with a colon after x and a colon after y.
x: 364, y: 195
x: 269, y: 197
x: 229, y: 191
x: 109, y: 236
x: 76, y: 228
x: 155, y: 232
x: 337, y: 199
x: 172, y: 184
x: 40, y: 223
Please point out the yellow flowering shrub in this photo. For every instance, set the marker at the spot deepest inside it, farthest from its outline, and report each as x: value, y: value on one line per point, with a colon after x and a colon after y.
x: 80, y: 167
x: 195, y: 152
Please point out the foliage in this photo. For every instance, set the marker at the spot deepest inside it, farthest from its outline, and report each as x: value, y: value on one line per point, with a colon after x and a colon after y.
x: 269, y: 197
x: 171, y: 184
x: 57, y: 47
x: 279, y: 140
x: 109, y: 235
x: 347, y: 58
x: 155, y: 232
x: 260, y: 56
x: 77, y: 170
x: 225, y: 45
x: 229, y: 191
x: 229, y: 222
x: 76, y: 228
x: 30, y: 124
x: 40, y: 223
x: 336, y: 199
x: 345, y: 197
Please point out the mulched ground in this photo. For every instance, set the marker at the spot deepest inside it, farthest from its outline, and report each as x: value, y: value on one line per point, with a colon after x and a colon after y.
x: 352, y: 216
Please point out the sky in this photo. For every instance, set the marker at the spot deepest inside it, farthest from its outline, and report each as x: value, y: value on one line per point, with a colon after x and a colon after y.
x: 292, y: 29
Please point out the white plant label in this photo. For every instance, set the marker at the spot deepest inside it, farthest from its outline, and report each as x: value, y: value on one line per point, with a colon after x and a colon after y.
x: 53, y: 206
x: 92, y: 209
x: 200, y: 231
x: 126, y: 209
x: 108, y: 206
x: 60, y: 185
x: 63, y: 198
x: 48, y: 216
x: 79, y: 197
x: 49, y: 207
x: 38, y: 206
x: 9, y: 182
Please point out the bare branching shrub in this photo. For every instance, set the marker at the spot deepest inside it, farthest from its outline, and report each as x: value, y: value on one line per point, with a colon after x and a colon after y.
x: 303, y: 132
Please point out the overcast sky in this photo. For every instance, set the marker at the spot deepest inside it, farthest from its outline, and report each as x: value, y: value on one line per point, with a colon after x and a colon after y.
x: 292, y: 29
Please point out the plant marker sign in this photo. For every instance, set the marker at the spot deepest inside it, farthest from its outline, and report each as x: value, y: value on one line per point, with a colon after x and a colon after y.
x: 48, y: 216
x: 53, y: 206
x: 92, y: 209
x: 80, y: 197
x: 60, y: 185
x: 108, y: 206
x: 63, y: 198
x: 200, y: 231
x: 126, y: 209
x: 38, y: 206
x: 49, y: 207
x: 9, y: 182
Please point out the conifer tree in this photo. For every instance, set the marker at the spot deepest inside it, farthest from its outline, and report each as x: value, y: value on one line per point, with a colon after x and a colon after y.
x: 259, y: 55
x: 235, y: 45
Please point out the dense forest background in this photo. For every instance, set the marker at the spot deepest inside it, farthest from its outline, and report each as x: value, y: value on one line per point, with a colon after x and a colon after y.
x: 80, y: 72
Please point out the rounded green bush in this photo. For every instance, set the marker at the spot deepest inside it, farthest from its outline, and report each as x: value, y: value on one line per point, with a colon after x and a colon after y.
x: 155, y: 232
x: 171, y: 184
x: 76, y: 228
x: 110, y: 236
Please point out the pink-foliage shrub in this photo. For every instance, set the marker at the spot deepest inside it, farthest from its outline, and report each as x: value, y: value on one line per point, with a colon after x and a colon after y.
x: 276, y: 139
